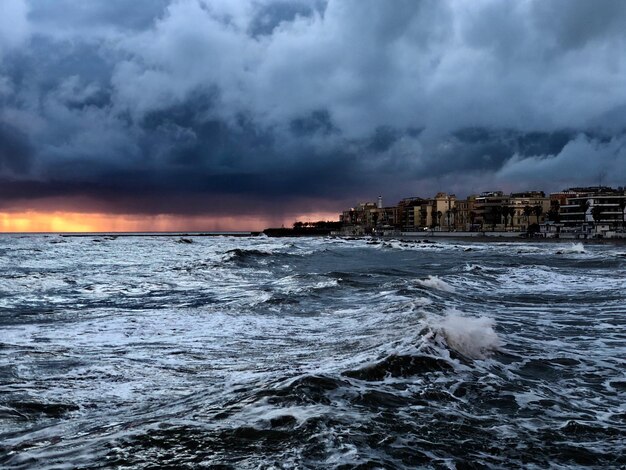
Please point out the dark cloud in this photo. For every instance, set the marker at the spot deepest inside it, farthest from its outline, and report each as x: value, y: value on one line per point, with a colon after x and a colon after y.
x: 271, y: 15
x: 316, y: 122
x: 574, y: 24
x: 16, y: 152
x: 66, y: 16
x: 169, y: 105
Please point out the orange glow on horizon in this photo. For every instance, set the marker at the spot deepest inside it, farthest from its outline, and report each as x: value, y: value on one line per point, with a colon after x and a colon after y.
x: 36, y: 221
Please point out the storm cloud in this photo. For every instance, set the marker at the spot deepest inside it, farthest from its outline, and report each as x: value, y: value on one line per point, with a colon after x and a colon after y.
x: 268, y: 106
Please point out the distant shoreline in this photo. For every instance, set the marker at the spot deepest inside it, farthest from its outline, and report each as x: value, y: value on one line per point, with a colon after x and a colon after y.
x: 496, y: 239
x: 418, y: 238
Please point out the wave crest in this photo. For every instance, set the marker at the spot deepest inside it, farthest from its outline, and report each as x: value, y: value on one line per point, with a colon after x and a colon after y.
x: 242, y: 255
x: 575, y: 248
x: 473, y: 337
x: 435, y: 282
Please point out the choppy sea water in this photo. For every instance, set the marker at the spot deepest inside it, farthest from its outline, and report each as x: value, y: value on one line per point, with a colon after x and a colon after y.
x: 310, y: 353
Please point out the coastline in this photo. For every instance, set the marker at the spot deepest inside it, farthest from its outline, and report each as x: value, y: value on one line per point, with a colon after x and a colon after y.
x: 428, y: 238
x: 418, y: 237
x: 487, y: 239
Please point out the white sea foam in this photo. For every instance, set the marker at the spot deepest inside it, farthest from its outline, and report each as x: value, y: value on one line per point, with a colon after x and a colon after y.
x: 473, y: 337
x: 435, y: 282
x: 575, y: 248
x: 294, y: 284
x: 418, y: 302
x: 535, y: 279
x: 474, y: 268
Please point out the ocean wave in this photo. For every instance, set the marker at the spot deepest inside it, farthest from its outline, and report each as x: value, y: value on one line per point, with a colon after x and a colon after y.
x: 242, y: 254
x: 472, y: 337
x: 31, y: 410
x: 413, y: 245
x: 399, y: 366
x: 545, y: 280
x: 574, y: 248
x: 434, y: 282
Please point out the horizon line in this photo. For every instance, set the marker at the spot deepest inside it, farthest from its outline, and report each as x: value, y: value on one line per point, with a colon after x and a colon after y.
x: 134, y: 232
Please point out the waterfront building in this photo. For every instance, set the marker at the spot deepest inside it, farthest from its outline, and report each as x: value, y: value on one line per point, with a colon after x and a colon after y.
x: 562, y: 196
x: 488, y: 209
x: 514, y: 212
x: 361, y: 219
x: 466, y: 214
x: 595, y: 210
x: 592, y: 211
x: 411, y: 215
x: 527, y: 208
x: 444, y: 210
x: 389, y: 218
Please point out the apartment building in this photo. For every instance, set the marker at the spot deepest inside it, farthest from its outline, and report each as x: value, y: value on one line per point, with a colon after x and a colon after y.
x: 594, y: 210
x: 444, y: 211
x: 411, y: 217
x: 466, y: 214
x: 528, y: 208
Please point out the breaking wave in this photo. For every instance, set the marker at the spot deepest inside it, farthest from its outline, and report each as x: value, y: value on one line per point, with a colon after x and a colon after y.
x: 434, y: 282
x: 577, y: 248
x: 240, y: 254
x: 473, y: 337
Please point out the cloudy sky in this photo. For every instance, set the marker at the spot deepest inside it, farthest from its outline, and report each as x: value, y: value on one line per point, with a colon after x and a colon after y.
x: 216, y: 114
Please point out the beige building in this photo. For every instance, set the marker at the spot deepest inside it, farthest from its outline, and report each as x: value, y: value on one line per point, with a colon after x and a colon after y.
x: 521, y: 202
x: 436, y: 213
x: 466, y: 213
x: 444, y: 211
x: 517, y: 211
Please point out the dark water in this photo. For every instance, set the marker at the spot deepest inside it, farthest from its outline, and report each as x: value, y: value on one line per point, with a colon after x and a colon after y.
x: 310, y: 353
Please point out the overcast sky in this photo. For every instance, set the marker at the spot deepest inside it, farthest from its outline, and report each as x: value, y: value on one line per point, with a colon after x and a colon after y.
x: 278, y: 107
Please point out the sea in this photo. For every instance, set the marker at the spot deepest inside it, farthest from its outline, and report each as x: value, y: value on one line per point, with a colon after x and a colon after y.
x: 287, y: 353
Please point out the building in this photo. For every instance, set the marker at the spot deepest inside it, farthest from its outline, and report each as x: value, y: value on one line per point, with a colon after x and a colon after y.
x: 488, y: 207
x: 389, y: 218
x: 361, y: 219
x: 528, y: 208
x: 466, y: 214
x: 411, y: 217
x: 444, y: 211
x: 594, y: 211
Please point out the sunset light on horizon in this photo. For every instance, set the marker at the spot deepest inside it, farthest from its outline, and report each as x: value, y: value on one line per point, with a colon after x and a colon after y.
x: 66, y: 221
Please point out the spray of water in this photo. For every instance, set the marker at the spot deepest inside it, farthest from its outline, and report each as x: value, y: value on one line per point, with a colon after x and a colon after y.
x: 474, y: 337
x: 435, y: 282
